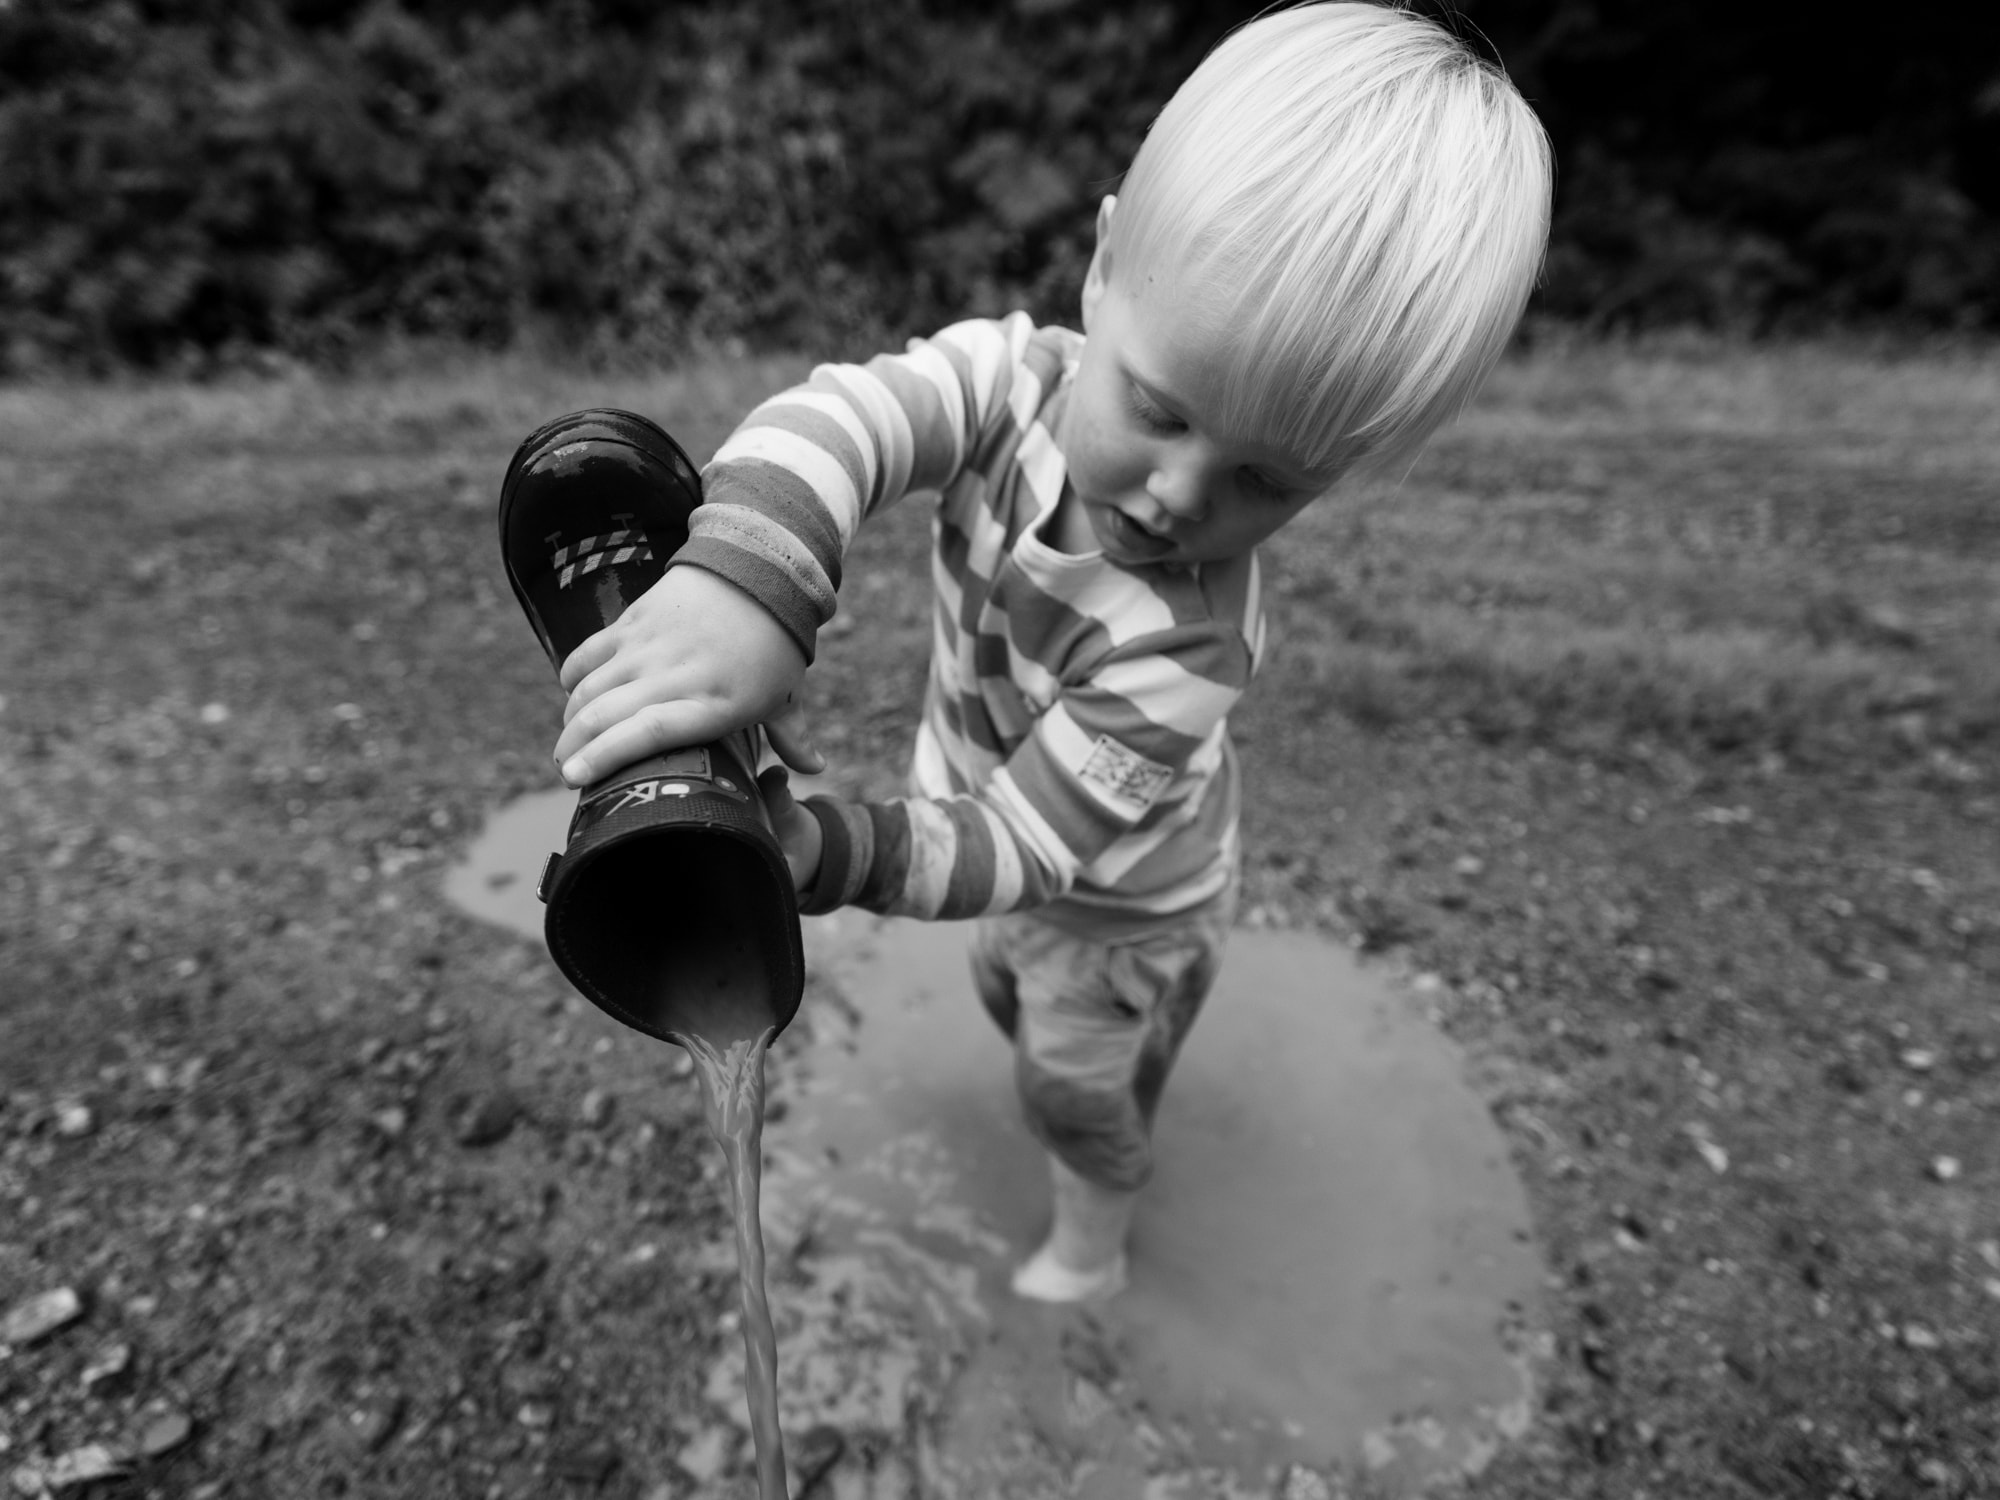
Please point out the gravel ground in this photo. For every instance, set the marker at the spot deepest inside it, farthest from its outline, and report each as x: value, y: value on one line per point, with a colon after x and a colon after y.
x: 310, y: 1185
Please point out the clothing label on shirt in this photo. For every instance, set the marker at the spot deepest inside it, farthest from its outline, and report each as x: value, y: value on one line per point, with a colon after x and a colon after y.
x: 1124, y: 773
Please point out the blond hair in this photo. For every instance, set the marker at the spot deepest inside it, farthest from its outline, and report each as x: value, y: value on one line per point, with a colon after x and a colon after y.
x: 1369, y: 201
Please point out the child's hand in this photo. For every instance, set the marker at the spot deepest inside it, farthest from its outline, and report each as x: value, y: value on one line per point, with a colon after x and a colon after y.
x: 690, y: 660
x: 798, y: 831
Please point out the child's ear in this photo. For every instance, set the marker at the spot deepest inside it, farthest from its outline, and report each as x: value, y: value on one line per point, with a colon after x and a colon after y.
x: 1099, y: 275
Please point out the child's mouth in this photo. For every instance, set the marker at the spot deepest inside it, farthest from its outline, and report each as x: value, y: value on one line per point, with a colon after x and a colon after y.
x: 1133, y: 538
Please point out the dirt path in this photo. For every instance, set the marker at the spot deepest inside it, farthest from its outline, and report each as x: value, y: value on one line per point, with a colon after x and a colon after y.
x: 1651, y: 728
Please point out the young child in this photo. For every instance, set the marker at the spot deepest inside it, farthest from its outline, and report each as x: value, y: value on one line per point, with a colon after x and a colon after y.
x: 1319, y: 253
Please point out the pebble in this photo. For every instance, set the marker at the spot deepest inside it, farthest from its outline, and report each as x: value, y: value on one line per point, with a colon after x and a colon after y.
x: 489, y: 1121
x: 1919, y: 1059
x: 1716, y: 1157
x: 79, y: 1466
x: 373, y: 1424
x: 1945, y: 1168
x: 39, y: 1316
x: 1916, y: 1336
x: 596, y: 1109
x: 165, y: 1429
x: 74, y: 1120
x: 115, y: 1361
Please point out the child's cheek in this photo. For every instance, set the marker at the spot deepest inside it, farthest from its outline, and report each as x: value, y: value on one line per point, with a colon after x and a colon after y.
x: 1099, y: 468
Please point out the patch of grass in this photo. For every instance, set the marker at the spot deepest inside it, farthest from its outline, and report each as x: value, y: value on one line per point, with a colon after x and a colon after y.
x: 1782, y: 549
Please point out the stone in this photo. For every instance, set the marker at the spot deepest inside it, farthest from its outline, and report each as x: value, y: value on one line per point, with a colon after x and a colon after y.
x: 80, y: 1466
x: 374, y: 1422
x: 488, y: 1120
x: 39, y: 1316
x: 161, y: 1430
x: 114, y: 1362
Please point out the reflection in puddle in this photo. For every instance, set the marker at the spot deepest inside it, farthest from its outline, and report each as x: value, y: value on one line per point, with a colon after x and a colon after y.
x: 1332, y: 1262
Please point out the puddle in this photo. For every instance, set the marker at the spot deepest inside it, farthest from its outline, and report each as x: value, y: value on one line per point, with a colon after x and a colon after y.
x: 1331, y: 1263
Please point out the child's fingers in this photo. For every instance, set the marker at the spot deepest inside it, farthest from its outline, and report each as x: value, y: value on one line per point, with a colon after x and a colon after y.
x: 587, y: 758
x: 792, y: 739
x: 798, y: 831
x: 587, y: 658
x: 598, y: 706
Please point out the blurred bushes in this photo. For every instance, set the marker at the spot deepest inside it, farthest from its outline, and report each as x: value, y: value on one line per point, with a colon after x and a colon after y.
x: 1766, y: 165
x: 182, y: 178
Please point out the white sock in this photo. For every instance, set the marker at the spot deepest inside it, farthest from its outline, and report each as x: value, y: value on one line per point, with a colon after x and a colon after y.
x: 1083, y: 1258
x: 1043, y: 1278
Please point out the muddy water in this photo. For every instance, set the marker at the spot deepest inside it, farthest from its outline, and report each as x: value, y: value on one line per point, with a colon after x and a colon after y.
x: 732, y: 1094
x: 1333, y: 1262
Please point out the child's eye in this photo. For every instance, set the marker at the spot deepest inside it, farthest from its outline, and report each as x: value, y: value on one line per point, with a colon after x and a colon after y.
x: 1259, y: 483
x: 1146, y: 414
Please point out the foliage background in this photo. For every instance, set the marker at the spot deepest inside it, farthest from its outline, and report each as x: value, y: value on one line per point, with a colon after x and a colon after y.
x: 183, y: 181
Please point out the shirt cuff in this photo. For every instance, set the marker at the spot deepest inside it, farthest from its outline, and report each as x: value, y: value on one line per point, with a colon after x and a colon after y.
x: 846, y: 851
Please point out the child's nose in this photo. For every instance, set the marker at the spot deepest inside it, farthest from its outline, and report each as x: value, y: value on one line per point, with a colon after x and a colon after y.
x: 1180, y: 489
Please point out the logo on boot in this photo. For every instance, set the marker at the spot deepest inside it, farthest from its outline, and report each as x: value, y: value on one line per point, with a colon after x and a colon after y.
x: 612, y: 548
x: 678, y: 773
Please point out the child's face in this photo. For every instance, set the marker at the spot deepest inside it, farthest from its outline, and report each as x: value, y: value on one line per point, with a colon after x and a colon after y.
x: 1160, y: 478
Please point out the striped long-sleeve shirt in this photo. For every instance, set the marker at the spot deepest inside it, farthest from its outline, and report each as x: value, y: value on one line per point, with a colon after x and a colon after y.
x: 1073, y: 752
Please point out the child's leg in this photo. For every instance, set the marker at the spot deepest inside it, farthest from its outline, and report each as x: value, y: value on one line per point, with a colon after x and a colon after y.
x: 993, y: 976
x: 1083, y: 1259
x: 1096, y: 1026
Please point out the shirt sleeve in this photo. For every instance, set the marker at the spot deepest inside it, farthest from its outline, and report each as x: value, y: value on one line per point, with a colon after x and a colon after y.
x: 784, y: 496
x: 1116, y: 763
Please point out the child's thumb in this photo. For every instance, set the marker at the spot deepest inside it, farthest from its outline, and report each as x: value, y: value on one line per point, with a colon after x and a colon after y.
x: 775, y: 783
x: 792, y: 739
